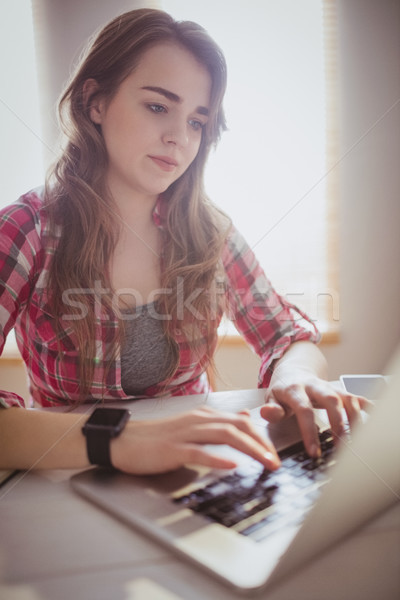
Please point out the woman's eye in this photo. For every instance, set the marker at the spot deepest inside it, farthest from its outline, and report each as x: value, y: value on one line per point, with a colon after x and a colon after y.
x: 196, y: 125
x: 157, y: 108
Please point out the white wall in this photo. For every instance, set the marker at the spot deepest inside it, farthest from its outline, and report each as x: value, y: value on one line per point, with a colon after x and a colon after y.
x: 370, y: 185
x: 61, y: 32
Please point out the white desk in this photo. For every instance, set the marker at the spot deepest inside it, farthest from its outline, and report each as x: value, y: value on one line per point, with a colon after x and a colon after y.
x: 54, y: 545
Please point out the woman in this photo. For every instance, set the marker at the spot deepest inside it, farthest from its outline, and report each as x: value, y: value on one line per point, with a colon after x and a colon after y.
x: 117, y: 274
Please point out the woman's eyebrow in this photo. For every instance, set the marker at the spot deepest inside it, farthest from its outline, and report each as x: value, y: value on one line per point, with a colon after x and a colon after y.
x: 202, y: 110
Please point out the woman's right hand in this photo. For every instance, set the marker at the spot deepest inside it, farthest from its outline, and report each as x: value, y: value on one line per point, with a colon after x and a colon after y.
x: 155, y: 446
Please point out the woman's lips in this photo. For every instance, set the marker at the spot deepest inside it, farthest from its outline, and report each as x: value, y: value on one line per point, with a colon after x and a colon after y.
x: 165, y: 162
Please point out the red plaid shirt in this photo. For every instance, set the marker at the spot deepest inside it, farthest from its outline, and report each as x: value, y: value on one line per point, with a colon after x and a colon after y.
x: 267, y: 322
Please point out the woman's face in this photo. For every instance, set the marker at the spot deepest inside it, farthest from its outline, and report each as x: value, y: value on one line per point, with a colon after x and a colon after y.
x: 152, y: 127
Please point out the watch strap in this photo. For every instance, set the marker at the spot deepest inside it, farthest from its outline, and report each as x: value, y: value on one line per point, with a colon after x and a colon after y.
x: 103, y: 425
x: 98, y: 447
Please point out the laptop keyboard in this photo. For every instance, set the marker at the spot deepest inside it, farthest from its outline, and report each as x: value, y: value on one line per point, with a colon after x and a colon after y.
x: 255, y: 501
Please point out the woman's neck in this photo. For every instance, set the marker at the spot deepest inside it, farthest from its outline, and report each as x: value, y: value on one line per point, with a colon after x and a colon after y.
x: 133, y: 208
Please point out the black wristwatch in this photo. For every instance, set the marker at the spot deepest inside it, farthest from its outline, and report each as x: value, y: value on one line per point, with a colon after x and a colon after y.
x: 103, y: 425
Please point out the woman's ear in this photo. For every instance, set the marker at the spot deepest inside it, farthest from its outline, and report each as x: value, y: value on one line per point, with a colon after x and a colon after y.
x: 92, y: 101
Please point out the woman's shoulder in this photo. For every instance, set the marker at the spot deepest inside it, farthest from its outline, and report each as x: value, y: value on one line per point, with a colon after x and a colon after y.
x: 235, y: 243
x: 27, y: 210
x: 23, y: 223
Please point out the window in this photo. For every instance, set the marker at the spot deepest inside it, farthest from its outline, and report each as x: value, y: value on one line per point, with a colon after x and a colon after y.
x: 269, y: 172
x: 21, y: 148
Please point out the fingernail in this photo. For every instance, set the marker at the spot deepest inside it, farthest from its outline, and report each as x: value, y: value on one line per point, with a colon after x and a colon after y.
x: 315, y: 451
x: 272, y: 458
x: 269, y: 456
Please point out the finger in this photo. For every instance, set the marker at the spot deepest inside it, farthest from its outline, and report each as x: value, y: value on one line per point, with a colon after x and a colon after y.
x: 227, y: 433
x: 196, y: 455
x: 336, y: 420
x: 240, y: 420
x: 273, y: 412
x: 308, y: 428
x: 244, y: 423
x: 352, y: 407
x: 294, y: 399
x: 245, y: 412
x: 325, y: 397
x: 365, y: 404
x: 202, y: 414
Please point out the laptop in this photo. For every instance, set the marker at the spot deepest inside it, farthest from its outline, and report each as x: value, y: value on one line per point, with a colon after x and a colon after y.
x: 249, y: 527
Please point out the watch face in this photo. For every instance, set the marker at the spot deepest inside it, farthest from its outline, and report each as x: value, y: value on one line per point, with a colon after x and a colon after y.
x: 107, y: 417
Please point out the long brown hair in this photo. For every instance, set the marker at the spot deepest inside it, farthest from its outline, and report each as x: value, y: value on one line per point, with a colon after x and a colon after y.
x: 80, y: 207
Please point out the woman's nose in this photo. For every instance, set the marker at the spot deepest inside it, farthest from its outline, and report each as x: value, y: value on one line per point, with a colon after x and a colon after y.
x: 177, y: 134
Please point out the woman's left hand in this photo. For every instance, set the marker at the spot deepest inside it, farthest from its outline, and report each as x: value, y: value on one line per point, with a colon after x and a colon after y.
x: 301, y: 395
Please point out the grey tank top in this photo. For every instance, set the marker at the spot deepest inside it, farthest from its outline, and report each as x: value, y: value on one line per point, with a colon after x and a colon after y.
x: 146, y: 357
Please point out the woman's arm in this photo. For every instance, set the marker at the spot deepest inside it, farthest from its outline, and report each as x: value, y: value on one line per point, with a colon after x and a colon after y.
x: 33, y: 439
x: 41, y: 440
x: 20, y: 264
x: 298, y: 385
x: 292, y: 368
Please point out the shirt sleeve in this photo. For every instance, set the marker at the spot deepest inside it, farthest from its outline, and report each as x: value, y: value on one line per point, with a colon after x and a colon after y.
x: 268, y: 323
x: 19, y: 252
